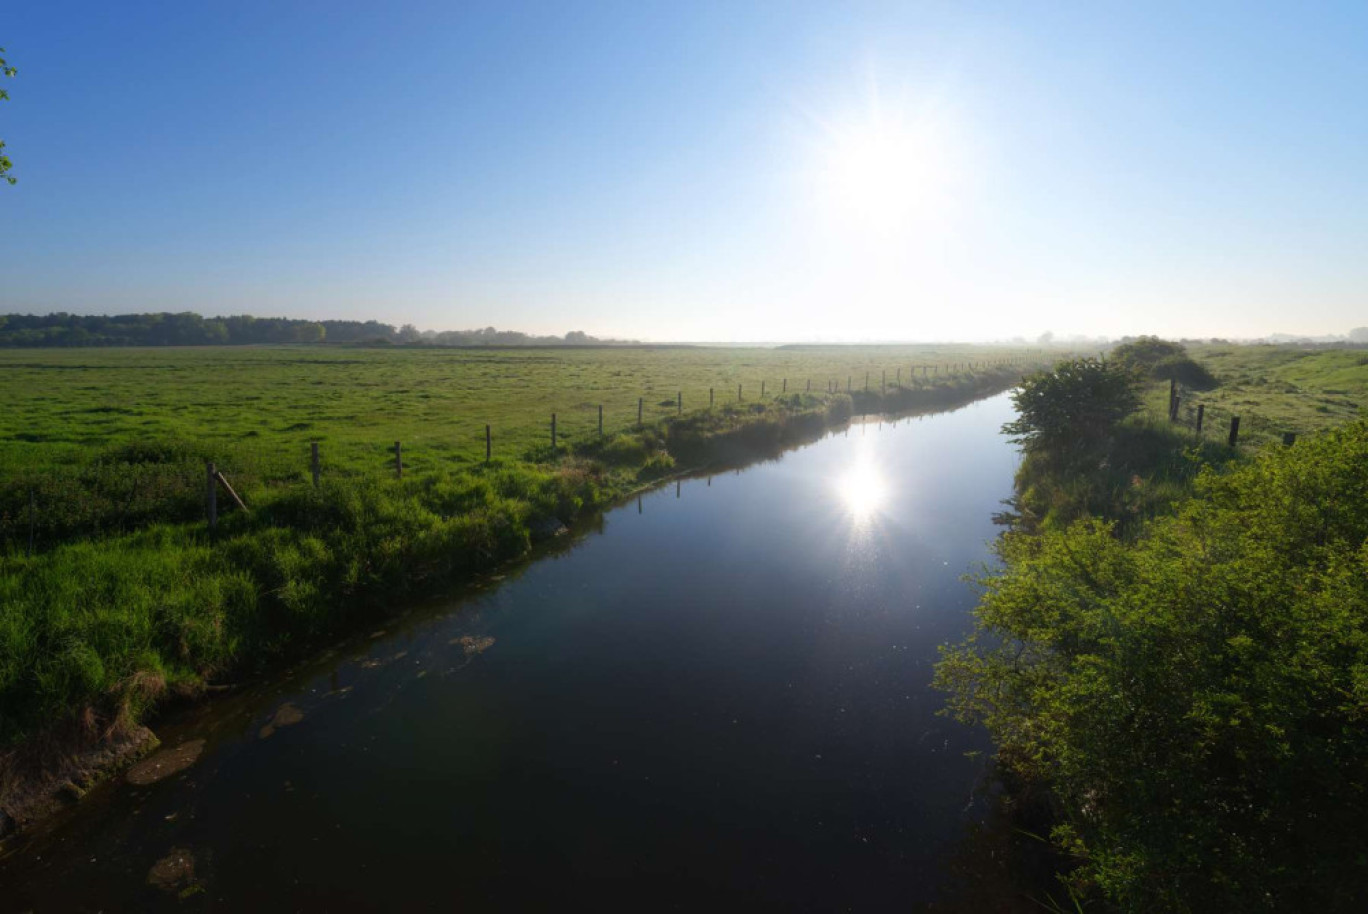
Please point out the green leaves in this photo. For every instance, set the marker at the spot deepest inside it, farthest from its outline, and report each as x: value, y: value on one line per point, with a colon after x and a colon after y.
x: 1196, y: 696
x: 1070, y: 410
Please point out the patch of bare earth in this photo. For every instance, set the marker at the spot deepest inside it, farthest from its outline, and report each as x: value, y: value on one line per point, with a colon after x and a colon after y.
x: 57, y: 769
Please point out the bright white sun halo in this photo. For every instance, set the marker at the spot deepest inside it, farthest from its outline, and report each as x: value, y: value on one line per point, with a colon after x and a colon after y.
x: 887, y: 166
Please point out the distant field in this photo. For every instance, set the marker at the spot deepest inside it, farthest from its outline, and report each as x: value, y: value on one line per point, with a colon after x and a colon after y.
x: 1276, y: 389
x: 264, y: 405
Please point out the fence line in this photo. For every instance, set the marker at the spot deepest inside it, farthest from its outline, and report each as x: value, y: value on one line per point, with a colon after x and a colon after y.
x: 138, y: 493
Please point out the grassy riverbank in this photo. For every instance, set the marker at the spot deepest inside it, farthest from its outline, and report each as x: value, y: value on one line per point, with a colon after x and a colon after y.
x: 1148, y: 463
x: 98, y: 628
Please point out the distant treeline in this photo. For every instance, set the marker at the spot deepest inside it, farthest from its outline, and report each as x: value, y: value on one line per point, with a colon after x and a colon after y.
x: 187, y: 329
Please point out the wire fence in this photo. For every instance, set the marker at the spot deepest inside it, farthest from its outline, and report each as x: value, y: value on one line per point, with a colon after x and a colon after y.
x: 1236, y: 427
x: 130, y: 486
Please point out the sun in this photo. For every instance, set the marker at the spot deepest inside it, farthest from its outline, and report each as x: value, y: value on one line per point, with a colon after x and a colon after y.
x: 883, y: 174
x: 887, y: 164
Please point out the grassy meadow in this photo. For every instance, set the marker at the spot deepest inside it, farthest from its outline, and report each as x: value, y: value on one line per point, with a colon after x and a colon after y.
x: 1273, y: 389
x: 1150, y: 463
x: 270, y: 402
x: 127, y: 596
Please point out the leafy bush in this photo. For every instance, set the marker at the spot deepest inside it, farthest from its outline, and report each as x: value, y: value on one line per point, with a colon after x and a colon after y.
x: 1071, y: 410
x: 1145, y: 352
x: 1189, y: 373
x: 1198, y: 698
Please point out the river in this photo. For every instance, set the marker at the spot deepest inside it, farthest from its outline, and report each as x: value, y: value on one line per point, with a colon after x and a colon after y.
x: 717, y: 696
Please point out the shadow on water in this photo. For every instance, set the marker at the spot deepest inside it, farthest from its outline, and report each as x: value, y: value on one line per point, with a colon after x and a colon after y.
x: 715, y: 693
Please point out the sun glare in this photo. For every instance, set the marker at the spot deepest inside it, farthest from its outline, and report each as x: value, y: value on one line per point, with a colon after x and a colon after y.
x: 862, y: 489
x: 886, y: 166
x: 882, y: 174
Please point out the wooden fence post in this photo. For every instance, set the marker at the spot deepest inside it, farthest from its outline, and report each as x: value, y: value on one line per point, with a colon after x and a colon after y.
x: 680, y: 402
x: 313, y: 461
x: 1173, y: 395
x: 211, y: 494
x: 398, y: 460
x: 1173, y: 409
x: 738, y: 392
x: 223, y: 481
x: 1201, y: 412
x: 553, y: 431
x: 762, y: 390
x: 809, y: 386
x: 1234, y: 430
x: 639, y: 399
x: 489, y: 444
x: 32, y: 512
x: 600, y: 420
x: 866, y: 381
x: 784, y: 389
x: 883, y: 382
x: 710, y: 398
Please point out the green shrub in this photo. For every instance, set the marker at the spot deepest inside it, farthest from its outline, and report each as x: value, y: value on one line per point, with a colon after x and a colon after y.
x: 1070, y: 411
x: 1187, y: 372
x: 1197, y: 698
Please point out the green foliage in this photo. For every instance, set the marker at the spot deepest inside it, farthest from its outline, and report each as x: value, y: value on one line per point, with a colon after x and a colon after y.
x: 1146, y: 352
x: 1197, y: 697
x: 1140, y: 472
x: 1070, y: 411
x: 6, y: 71
x: 1186, y: 371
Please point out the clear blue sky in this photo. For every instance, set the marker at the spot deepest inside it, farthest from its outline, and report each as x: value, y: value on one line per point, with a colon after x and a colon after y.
x: 695, y: 170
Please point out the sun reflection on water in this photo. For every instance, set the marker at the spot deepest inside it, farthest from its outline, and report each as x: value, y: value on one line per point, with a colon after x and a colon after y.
x: 862, y: 489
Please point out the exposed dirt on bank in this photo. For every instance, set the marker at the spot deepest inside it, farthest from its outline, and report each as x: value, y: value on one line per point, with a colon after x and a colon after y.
x: 44, y: 777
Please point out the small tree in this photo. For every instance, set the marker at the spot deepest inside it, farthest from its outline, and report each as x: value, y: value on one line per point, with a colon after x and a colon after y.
x: 1070, y: 410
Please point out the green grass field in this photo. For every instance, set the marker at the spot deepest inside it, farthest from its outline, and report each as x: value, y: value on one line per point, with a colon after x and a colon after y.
x: 127, y: 596
x: 63, y: 405
x: 1274, y: 389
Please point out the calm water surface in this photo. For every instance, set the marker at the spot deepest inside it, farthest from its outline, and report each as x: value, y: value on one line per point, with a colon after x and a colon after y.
x: 718, y: 697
